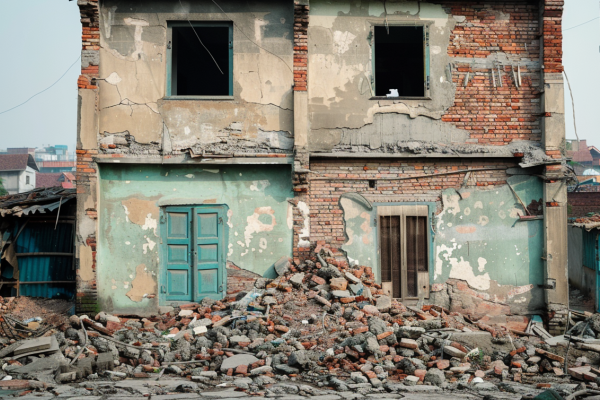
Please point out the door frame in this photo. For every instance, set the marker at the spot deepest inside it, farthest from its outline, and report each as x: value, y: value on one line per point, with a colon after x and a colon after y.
x: 431, y: 208
x: 221, y: 210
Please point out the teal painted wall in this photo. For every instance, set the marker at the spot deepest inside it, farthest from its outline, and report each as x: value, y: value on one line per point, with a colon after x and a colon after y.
x: 477, y: 237
x: 129, y: 243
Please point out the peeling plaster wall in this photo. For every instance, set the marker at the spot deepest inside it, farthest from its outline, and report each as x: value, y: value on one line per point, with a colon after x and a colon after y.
x: 133, y: 77
x: 129, y: 240
x: 477, y: 238
x: 344, y: 118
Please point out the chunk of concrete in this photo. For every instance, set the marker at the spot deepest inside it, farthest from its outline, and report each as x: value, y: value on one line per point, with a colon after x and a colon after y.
x: 236, y: 361
x: 105, y: 362
x: 384, y: 303
x: 454, y: 352
x: 282, y: 266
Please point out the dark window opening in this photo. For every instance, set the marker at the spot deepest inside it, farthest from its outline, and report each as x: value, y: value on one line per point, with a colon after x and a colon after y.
x: 371, y: 184
x: 193, y: 70
x: 27, y: 180
x: 400, y: 61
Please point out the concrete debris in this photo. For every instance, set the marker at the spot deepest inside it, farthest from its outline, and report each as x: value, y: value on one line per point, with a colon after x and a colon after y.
x: 308, y: 332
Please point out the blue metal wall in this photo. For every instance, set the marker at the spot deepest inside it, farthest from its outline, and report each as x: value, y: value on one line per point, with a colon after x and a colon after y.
x: 43, y: 238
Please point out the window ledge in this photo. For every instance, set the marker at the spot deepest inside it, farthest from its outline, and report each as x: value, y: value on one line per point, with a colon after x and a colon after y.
x: 399, y: 98
x: 220, y: 98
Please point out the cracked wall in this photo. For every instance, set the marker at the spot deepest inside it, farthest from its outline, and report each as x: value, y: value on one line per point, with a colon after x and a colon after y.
x: 129, y: 254
x: 477, y: 237
x: 467, y: 106
x: 136, y: 118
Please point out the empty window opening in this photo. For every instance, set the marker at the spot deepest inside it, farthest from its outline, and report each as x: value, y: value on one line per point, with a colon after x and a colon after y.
x: 400, y: 61
x: 372, y: 184
x: 404, y: 251
x: 194, y: 72
x: 27, y: 179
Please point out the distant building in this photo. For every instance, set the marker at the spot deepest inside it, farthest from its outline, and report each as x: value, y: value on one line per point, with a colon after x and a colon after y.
x: 17, y: 172
x: 55, y: 159
x: 583, y: 154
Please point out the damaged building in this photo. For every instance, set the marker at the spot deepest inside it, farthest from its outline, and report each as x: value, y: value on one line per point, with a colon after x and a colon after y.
x: 422, y: 139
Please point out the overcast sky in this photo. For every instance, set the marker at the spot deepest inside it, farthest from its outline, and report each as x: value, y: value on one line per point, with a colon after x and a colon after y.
x: 40, y: 39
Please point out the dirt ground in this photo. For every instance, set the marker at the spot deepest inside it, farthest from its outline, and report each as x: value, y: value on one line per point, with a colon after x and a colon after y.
x: 52, y: 311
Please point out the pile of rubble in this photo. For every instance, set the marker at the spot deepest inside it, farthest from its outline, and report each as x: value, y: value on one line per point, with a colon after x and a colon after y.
x: 326, y: 325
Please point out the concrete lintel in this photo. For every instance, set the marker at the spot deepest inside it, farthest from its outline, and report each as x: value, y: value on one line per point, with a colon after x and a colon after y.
x: 410, y: 155
x: 203, y: 161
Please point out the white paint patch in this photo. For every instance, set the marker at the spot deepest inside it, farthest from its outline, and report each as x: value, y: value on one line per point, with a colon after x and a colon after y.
x: 126, y: 213
x: 304, y: 236
x: 137, y: 36
x: 230, y: 251
x: 451, y: 203
x: 113, y: 78
x: 515, y: 213
x: 148, y: 246
x: 481, y: 262
x: 254, y: 225
x: 262, y: 243
x: 150, y: 223
x: 462, y: 270
x: 467, y: 211
x: 342, y: 41
x: 127, y: 243
x: 212, y: 171
x: 259, y: 186
x: 258, y: 24
x: 244, y: 253
x: 186, y: 130
x: 290, y: 216
x: 502, y: 214
x: 521, y: 300
x: 483, y: 220
x: 439, y: 262
x: 435, y: 49
x: 190, y: 176
x: 229, y: 215
x: 478, y: 204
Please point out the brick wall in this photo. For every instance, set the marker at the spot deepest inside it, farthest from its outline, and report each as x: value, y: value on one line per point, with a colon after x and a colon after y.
x: 552, y: 36
x: 581, y: 203
x: 300, y: 45
x: 502, y: 114
x: 86, y: 175
x: 326, y: 215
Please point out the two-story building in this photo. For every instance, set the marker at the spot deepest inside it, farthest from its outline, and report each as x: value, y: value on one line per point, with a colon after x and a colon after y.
x: 423, y: 139
x: 17, y: 172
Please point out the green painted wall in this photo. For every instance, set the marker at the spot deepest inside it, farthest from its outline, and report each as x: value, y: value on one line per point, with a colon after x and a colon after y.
x: 259, y: 220
x: 477, y: 237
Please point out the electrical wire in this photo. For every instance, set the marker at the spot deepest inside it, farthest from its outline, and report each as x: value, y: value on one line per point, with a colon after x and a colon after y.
x: 577, y: 26
x: 196, y: 33
x: 247, y: 37
x: 38, y: 93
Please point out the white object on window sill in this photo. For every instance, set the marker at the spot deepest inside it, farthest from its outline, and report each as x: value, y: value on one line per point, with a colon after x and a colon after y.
x: 393, y: 93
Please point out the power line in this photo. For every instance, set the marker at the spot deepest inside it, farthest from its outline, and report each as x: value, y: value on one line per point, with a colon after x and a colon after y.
x: 247, y: 37
x: 577, y: 26
x: 17, y: 106
x: 205, y: 48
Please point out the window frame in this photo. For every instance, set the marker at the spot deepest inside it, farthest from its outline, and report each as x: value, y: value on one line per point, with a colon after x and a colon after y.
x: 426, y: 55
x: 169, y: 70
x: 403, y: 210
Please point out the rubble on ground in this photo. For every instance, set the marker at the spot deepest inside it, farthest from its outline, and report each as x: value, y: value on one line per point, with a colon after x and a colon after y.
x: 319, y: 327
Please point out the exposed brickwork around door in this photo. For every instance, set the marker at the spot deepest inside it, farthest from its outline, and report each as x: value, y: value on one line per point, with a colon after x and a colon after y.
x: 505, y: 113
x: 326, y: 215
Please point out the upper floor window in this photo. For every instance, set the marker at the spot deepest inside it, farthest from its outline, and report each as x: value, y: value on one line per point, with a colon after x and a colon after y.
x: 200, y: 59
x: 401, y: 61
x: 27, y: 179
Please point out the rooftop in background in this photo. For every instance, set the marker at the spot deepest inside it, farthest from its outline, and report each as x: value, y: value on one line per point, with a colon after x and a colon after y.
x: 581, y: 153
x: 17, y: 162
x: 52, y: 179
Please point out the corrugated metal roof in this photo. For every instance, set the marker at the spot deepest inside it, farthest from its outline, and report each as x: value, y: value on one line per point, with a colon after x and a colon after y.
x: 39, y: 200
x: 590, y: 222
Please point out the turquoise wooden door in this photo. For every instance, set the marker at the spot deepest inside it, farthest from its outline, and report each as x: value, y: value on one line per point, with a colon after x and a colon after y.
x: 194, y: 253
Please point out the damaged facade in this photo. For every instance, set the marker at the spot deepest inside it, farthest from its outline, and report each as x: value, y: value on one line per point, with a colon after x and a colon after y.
x: 275, y: 136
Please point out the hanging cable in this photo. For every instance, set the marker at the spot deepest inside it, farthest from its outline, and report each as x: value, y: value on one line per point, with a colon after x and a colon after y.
x: 247, y: 37
x: 17, y: 106
x: 577, y: 26
x: 196, y: 33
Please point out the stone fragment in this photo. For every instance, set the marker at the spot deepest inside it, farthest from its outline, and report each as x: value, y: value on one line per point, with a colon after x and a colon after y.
x: 340, y: 293
x: 186, y: 313
x: 105, y: 362
x: 297, y: 279
x: 409, y: 343
x: 237, y: 360
x: 282, y: 266
x: 338, y: 284
x: 352, y: 278
x: 384, y: 303
x: 434, y: 377
x: 454, y: 352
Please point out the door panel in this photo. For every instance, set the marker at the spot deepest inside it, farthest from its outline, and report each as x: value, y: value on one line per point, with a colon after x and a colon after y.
x: 178, y: 269
x: 210, y: 259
